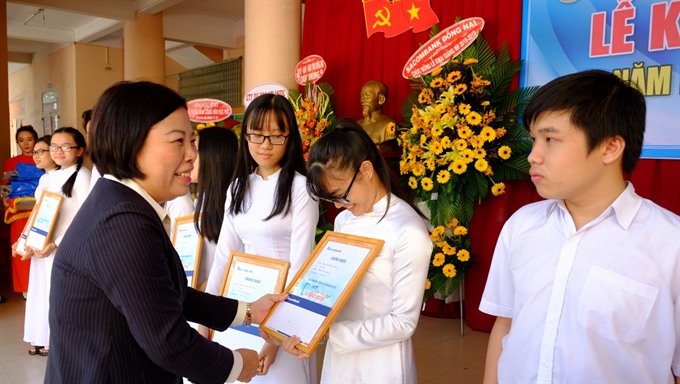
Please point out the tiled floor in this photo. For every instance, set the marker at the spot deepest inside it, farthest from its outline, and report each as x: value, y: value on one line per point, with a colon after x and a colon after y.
x: 442, y: 355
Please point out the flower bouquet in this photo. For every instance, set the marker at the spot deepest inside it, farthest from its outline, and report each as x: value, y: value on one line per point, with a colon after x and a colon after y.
x: 313, y: 112
x: 464, y: 140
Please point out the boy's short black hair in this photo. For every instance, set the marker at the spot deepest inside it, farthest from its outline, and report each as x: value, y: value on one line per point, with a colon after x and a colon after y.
x: 122, y: 118
x: 601, y: 105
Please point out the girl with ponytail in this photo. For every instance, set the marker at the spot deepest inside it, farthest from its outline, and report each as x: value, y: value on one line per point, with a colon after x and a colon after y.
x: 71, y: 180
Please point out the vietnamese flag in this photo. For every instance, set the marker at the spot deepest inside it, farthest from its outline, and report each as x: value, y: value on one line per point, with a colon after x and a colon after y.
x: 387, y: 16
x: 419, y: 14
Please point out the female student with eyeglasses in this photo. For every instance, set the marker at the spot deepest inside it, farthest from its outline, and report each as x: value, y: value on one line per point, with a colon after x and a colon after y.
x: 71, y: 180
x: 370, y: 340
x: 268, y: 212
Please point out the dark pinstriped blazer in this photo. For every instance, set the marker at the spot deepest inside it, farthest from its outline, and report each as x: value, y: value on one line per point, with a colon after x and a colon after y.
x: 119, y: 301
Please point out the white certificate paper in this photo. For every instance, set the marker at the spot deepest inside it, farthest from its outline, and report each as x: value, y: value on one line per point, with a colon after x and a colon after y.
x: 186, y: 244
x: 38, y: 234
x: 314, y: 294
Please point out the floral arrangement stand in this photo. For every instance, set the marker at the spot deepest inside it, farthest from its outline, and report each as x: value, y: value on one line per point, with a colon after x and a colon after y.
x: 464, y: 140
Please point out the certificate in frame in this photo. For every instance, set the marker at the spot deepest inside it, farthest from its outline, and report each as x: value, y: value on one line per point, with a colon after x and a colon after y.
x: 189, y: 244
x: 21, y: 248
x: 43, y: 221
x: 247, y: 278
x: 321, y: 287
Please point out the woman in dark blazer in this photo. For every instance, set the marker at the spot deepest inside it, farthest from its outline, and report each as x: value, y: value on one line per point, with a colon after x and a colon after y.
x: 119, y: 302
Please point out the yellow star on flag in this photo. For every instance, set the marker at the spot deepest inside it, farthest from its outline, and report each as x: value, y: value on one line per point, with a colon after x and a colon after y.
x: 414, y: 11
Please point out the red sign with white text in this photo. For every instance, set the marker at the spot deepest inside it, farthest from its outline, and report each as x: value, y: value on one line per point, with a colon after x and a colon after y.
x: 311, y: 68
x: 208, y: 110
x: 446, y: 45
x: 273, y: 88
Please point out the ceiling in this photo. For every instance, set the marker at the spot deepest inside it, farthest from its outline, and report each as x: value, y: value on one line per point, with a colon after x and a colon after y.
x: 36, y: 28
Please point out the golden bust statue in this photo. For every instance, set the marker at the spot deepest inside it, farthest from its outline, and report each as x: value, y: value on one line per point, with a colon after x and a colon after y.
x: 373, y: 96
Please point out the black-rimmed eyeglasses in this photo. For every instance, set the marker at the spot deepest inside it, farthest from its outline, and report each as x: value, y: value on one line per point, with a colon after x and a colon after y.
x: 342, y: 199
x: 38, y: 152
x: 64, y: 148
x: 259, y: 139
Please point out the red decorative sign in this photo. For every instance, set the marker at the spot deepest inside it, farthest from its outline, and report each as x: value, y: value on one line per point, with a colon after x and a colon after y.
x: 446, y: 45
x: 208, y: 110
x: 273, y: 88
x: 311, y: 68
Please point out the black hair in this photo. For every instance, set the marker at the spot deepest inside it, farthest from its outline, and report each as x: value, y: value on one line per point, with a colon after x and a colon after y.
x: 47, y: 139
x: 122, y: 118
x: 78, y: 137
x: 86, y: 116
x: 216, y: 148
x: 601, y: 105
x: 26, y: 128
x: 344, y: 149
x: 261, y: 109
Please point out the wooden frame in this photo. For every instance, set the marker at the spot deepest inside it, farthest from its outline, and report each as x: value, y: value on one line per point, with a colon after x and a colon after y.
x: 247, y: 278
x: 332, y: 272
x: 42, y: 223
x: 189, y: 245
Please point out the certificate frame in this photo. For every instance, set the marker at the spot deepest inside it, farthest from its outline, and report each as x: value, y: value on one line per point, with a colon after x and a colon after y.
x: 21, y: 241
x: 43, y: 221
x: 304, y: 311
x: 184, y: 231
x: 237, y: 285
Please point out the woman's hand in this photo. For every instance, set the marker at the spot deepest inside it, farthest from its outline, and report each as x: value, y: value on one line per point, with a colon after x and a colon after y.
x: 49, y: 248
x: 267, y: 357
x: 260, y: 308
x: 28, y: 253
x: 289, y: 344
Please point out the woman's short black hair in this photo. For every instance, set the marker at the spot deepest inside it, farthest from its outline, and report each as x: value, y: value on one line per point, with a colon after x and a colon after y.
x: 122, y: 118
x: 26, y: 128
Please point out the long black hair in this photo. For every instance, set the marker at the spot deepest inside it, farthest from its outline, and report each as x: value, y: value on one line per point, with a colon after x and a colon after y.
x: 67, y: 188
x: 216, y: 150
x: 344, y: 149
x: 263, y: 108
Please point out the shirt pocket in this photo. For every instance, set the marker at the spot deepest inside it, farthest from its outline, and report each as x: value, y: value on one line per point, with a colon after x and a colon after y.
x: 615, y: 306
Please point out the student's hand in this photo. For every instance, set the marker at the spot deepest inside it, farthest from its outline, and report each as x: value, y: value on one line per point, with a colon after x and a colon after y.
x: 204, y: 331
x: 14, y: 249
x: 267, y: 357
x: 261, y: 306
x: 28, y: 253
x: 49, y: 248
x: 290, y: 345
x: 271, y: 339
x: 250, y: 364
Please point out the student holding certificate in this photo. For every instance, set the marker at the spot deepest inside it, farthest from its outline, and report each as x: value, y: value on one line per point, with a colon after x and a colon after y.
x: 72, y: 181
x: 269, y: 213
x: 370, y: 340
x: 120, y: 304
x: 212, y: 173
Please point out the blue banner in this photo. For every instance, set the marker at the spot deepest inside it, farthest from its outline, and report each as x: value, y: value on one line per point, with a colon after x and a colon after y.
x: 636, y: 40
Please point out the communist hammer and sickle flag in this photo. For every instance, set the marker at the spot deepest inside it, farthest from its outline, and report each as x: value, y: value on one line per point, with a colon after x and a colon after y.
x: 393, y: 17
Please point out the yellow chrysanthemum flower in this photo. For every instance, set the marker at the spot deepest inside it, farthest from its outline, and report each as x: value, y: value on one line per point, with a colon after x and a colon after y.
x: 476, y: 142
x: 437, y: 232
x: 438, y: 259
x: 498, y: 189
x: 458, y: 167
x: 436, y: 72
x: 488, y: 133
x: 486, y: 103
x: 460, y: 144
x: 436, y: 131
x: 481, y: 165
x: 428, y: 284
x: 430, y: 163
x: 426, y: 183
x: 453, y: 223
x: 391, y: 128
x: 449, y: 271
x: 436, y: 147
x: 500, y: 132
x: 441, y: 244
x: 460, y: 231
x: 473, y: 118
x: 480, y: 153
x: 489, y: 171
x: 412, y: 182
x: 460, y: 89
x: 464, y: 132
x: 446, y: 142
x: 436, y: 83
x: 453, y: 76
x: 449, y: 250
x: 468, y: 156
x: 464, y: 108
x: 443, y: 176
x: 470, y: 61
x: 463, y: 255
x: 418, y: 169
x: 504, y: 152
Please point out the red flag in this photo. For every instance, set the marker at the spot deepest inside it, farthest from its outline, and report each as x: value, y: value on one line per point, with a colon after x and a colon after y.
x: 385, y: 16
x: 419, y: 14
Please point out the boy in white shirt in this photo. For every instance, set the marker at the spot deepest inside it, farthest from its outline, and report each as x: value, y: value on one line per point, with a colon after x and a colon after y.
x: 585, y: 284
